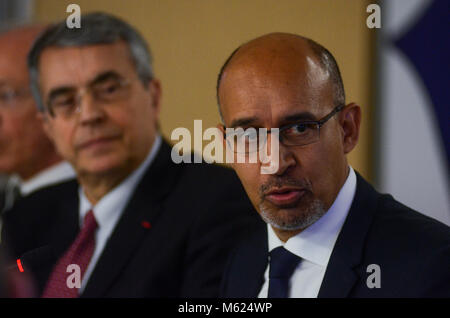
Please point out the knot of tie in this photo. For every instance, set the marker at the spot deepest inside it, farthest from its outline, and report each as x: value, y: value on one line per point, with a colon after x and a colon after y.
x: 282, y: 266
x: 89, y: 223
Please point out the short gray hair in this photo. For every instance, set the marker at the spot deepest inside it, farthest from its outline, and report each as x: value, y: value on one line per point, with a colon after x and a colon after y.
x: 96, y: 28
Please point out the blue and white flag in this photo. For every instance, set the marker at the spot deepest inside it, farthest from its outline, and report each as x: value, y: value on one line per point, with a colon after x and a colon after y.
x: 413, y: 119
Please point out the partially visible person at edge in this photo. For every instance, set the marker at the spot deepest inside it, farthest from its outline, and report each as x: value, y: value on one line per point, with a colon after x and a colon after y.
x: 27, y: 156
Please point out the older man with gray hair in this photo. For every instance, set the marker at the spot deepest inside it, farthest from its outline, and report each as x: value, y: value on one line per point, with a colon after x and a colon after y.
x: 136, y: 224
x: 27, y: 156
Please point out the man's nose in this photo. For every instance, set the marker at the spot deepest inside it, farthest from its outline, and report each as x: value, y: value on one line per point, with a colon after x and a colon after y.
x: 286, y: 159
x: 90, y: 111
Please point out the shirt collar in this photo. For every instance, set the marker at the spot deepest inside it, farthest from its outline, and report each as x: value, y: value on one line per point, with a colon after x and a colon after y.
x: 108, y: 210
x: 316, y: 242
x: 54, y: 174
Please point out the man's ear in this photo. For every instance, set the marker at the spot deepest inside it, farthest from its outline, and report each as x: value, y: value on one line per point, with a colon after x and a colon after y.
x: 154, y: 88
x: 350, y: 120
x: 222, y: 130
x: 46, y: 124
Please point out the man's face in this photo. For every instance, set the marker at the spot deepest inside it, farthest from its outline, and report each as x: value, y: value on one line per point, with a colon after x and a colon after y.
x: 101, y: 137
x: 22, y: 138
x: 309, y: 177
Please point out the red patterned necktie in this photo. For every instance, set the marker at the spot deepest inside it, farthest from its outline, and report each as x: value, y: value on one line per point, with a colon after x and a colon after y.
x: 79, y: 253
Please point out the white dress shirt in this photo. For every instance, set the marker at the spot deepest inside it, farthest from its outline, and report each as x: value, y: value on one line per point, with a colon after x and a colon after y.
x: 108, y: 210
x: 314, y: 245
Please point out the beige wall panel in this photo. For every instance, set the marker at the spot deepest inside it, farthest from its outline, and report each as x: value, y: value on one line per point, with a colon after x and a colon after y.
x: 190, y: 39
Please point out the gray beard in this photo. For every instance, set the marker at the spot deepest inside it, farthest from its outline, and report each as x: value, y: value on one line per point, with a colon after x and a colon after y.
x: 307, y: 216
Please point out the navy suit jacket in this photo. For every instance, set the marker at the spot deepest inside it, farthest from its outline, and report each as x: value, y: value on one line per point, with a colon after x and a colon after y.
x: 412, y: 251
x: 172, y: 240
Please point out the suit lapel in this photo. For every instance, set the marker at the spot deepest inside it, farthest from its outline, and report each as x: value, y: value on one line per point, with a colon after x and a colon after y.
x: 340, y: 275
x: 66, y: 225
x: 145, y: 205
x: 62, y: 224
x: 339, y: 279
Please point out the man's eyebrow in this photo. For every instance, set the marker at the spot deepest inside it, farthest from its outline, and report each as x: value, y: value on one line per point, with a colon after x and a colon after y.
x: 290, y: 118
x: 60, y: 90
x: 242, y: 122
x: 299, y: 117
x: 105, y: 76
x: 98, y: 79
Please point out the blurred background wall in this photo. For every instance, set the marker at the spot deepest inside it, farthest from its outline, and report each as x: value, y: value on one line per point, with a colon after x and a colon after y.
x: 190, y: 40
x: 413, y: 108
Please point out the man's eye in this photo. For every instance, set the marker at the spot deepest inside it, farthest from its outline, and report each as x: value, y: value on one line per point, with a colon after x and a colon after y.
x: 300, y: 128
x: 111, y: 88
x: 7, y: 95
x: 4, y: 97
x: 63, y: 101
x: 107, y: 88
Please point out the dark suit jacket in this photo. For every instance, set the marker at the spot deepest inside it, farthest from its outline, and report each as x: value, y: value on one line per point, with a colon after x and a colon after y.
x: 197, y: 212
x: 412, y: 250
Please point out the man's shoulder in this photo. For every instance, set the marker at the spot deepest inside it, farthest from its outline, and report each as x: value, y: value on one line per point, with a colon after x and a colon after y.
x: 34, y: 218
x: 398, y: 232
x: 65, y: 187
x: 193, y: 171
x: 411, y: 249
x: 41, y: 206
x: 196, y: 173
x: 209, y: 172
x: 205, y: 192
x: 212, y: 189
x: 396, y: 220
x: 47, y: 196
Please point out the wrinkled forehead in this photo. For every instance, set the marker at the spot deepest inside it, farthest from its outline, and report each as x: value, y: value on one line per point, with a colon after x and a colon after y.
x: 274, y: 88
x: 77, y: 66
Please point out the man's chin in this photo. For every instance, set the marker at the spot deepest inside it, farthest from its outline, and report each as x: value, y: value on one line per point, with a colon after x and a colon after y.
x: 292, y: 218
x: 7, y: 167
x: 101, y: 167
x: 284, y: 221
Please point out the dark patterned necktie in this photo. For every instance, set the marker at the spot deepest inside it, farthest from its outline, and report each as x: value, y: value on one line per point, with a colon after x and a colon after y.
x: 79, y: 253
x: 282, y: 266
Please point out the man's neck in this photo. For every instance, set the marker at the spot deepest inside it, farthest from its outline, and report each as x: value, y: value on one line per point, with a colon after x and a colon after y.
x: 97, y: 186
x: 285, y: 235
